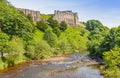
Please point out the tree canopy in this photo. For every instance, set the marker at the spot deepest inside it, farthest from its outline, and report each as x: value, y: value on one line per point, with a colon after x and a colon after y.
x: 14, y: 23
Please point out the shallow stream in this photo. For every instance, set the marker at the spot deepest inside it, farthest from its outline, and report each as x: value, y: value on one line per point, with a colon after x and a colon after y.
x: 76, y: 66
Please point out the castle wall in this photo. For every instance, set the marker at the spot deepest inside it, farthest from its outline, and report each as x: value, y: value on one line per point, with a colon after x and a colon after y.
x: 35, y: 14
x: 68, y: 16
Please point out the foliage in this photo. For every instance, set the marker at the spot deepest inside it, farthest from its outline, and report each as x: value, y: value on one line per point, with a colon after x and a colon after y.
x: 63, y: 26
x: 3, y: 42
x: 13, y: 23
x: 57, y: 31
x: 15, y: 49
x: 51, y: 38
x: 97, y: 34
x: 113, y: 72
x: 82, y: 31
x: 38, y: 35
x: 3, y: 1
x: 30, y: 17
x: 41, y: 25
x: 112, y: 57
x: 112, y: 63
x: 94, y: 25
x: 30, y: 51
x: 111, y: 40
x: 74, y: 39
x: 42, y: 49
x: 44, y: 16
x: 53, y: 23
x: 62, y: 46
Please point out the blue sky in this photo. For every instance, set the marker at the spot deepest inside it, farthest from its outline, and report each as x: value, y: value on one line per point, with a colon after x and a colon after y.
x: 107, y: 11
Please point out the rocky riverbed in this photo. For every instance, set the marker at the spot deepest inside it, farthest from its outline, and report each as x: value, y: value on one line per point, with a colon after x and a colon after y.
x: 70, y: 66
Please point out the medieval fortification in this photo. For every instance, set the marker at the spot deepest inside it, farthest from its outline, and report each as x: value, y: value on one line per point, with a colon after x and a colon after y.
x: 68, y: 16
x: 35, y: 14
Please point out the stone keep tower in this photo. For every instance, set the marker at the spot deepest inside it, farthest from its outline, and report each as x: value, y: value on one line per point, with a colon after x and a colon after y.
x: 35, y: 14
x: 68, y: 16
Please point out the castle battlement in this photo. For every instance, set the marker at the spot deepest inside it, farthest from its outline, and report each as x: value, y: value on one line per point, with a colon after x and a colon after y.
x: 35, y: 14
x: 71, y: 18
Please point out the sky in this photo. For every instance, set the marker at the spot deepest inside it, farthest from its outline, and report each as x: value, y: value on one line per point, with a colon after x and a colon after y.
x: 106, y: 11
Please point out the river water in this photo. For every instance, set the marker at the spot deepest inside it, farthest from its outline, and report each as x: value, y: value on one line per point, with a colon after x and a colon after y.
x: 76, y: 66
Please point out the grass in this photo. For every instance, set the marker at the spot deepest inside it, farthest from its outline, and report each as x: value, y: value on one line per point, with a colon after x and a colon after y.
x: 44, y: 16
x: 38, y: 35
x: 72, y: 34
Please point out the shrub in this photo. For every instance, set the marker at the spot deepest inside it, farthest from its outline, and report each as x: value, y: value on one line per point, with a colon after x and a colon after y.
x: 51, y: 38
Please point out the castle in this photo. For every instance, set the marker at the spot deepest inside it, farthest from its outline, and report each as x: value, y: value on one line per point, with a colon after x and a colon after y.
x: 69, y: 17
x: 35, y: 14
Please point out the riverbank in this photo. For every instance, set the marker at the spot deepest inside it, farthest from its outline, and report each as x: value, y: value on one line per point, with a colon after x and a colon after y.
x: 3, y: 66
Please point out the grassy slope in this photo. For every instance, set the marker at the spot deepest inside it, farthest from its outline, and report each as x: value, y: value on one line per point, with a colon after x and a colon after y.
x: 38, y: 35
x: 72, y: 34
x: 44, y: 16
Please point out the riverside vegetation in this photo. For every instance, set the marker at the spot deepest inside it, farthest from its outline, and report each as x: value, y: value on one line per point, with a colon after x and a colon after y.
x: 21, y: 39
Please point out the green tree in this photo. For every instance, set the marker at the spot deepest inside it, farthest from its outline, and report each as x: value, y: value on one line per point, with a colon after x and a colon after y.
x: 30, y: 17
x: 30, y: 49
x: 57, y: 31
x: 51, y: 38
x: 112, y: 63
x: 111, y: 40
x: 53, y: 23
x: 63, y: 26
x: 15, y: 49
x: 42, y: 49
x: 13, y: 23
x: 38, y: 49
x: 94, y: 25
x: 3, y: 1
x: 3, y: 42
x: 41, y: 25
x: 97, y: 34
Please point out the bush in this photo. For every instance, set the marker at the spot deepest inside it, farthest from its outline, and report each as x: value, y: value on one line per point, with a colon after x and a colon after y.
x: 57, y: 31
x: 4, y: 38
x: 15, y: 49
x: 41, y: 25
x: 42, y: 49
x: 112, y: 63
x: 63, y: 26
x: 51, y: 38
x: 14, y: 23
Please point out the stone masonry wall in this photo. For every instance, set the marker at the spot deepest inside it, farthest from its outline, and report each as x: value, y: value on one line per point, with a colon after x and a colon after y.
x: 35, y: 14
x: 68, y: 16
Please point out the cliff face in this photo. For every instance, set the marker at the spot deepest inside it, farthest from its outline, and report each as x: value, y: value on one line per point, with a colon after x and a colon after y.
x: 68, y: 16
x: 35, y: 14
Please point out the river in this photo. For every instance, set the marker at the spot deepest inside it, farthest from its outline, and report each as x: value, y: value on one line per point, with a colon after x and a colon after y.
x: 76, y: 66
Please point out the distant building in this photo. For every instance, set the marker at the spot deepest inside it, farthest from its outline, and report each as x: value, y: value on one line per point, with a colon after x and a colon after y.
x: 35, y: 14
x: 68, y: 16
